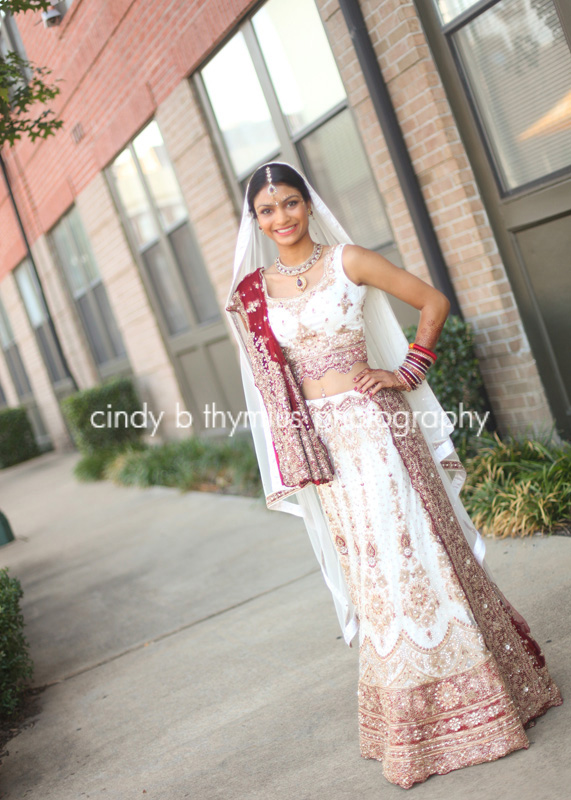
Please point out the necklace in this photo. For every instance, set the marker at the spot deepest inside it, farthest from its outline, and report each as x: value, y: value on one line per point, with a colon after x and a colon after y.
x: 300, y: 282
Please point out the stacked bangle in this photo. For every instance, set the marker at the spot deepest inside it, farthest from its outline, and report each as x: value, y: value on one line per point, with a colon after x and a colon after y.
x: 413, y: 370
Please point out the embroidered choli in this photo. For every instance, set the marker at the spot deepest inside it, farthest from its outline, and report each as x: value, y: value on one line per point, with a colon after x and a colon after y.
x: 323, y: 328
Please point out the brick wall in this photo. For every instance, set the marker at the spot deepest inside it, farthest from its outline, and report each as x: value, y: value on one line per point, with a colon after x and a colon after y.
x: 451, y: 195
x: 118, y: 60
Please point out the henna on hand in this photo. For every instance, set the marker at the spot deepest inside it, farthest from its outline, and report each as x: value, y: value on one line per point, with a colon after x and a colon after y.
x: 428, y: 332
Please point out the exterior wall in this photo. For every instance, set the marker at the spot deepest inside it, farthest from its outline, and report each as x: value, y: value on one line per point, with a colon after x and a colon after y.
x: 118, y: 60
x: 451, y: 195
x: 146, y: 350
x: 118, y: 73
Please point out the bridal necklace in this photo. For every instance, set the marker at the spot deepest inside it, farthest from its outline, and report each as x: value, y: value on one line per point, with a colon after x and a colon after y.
x: 300, y: 282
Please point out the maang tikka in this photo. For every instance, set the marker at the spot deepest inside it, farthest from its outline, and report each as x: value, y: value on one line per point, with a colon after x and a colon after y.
x: 271, y: 188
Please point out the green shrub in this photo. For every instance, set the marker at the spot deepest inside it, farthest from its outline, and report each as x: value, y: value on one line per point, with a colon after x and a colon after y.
x: 227, y: 465
x: 17, y: 441
x: 455, y: 378
x: 15, y: 664
x: 117, y: 394
x: 93, y: 466
x: 517, y: 487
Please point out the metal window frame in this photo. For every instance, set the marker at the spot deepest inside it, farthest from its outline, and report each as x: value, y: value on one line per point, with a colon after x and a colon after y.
x: 449, y: 30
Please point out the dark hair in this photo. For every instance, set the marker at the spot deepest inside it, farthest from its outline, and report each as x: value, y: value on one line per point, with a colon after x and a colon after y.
x: 281, y: 173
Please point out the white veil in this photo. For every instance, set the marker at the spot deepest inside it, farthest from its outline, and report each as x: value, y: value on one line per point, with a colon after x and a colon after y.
x: 386, y: 348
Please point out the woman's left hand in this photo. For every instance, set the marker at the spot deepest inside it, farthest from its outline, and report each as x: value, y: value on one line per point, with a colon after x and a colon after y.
x: 371, y: 380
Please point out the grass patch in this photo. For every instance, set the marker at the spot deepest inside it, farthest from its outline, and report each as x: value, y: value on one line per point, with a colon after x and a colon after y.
x: 519, y: 487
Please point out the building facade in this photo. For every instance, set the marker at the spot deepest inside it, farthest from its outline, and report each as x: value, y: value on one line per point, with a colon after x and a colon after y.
x: 439, y: 132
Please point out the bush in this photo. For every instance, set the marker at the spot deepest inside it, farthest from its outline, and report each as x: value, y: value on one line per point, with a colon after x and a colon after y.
x: 117, y: 394
x: 17, y: 441
x: 15, y: 664
x: 93, y: 466
x: 227, y: 465
x: 456, y: 377
x: 517, y: 487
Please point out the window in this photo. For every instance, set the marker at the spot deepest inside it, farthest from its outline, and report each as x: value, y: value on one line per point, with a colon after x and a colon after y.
x: 274, y: 91
x: 20, y: 378
x: 73, y: 251
x: 149, y: 197
x: 516, y: 63
x: 12, y: 355
x: 39, y: 320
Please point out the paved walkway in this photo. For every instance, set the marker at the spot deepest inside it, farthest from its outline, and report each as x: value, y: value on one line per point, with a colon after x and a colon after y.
x: 192, y: 651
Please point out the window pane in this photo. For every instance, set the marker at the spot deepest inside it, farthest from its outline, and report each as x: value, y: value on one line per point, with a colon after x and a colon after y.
x: 48, y: 349
x: 83, y: 247
x: 239, y: 105
x: 6, y: 332
x: 450, y: 9
x: 92, y: 325
x: 194, y: 274
x: 159, y: 175
x: 518, y: 65
x: 343, y: 177
x: 108, y: 320
x: 30, y: 294
x: 69, y: 258
x: 17, y: 371
x: 299, y: 60
x: 133, y: 198
x: 166, y: 292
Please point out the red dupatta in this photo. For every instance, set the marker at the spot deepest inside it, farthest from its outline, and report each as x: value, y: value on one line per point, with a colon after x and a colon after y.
x: 300, y: 454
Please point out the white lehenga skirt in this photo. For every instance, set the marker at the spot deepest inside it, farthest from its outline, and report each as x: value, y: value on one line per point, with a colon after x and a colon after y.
x: 447, y: 677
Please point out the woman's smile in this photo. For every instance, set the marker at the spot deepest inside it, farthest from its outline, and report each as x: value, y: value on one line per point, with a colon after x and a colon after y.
x: 285, y: 231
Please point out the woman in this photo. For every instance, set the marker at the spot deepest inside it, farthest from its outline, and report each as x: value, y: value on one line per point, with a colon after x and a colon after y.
x: 448, y: 674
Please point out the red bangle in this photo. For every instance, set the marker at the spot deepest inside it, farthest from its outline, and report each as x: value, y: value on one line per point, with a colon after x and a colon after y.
x: 415, y: 346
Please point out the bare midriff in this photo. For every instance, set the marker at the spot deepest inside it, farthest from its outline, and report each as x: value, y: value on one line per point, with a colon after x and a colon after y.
x: 332, y: 382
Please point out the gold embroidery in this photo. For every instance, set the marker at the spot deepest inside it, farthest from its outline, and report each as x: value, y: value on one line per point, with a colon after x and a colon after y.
x: 438, y: 689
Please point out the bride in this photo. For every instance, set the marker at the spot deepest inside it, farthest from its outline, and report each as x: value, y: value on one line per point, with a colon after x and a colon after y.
x: 350, y: 437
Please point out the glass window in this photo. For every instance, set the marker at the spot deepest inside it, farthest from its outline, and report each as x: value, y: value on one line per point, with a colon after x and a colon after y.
x: 151, y: 200
x: 134, y: 199
x: 450, y: 9
x: 39, y: 320
x: 159, y: 175
x: 518, y: 66
x: 76, y: 258
x: 292, y: 69
x: 300, y: 62
x: 342, y: 175
x: 12, y: 355
x: 240, y: 107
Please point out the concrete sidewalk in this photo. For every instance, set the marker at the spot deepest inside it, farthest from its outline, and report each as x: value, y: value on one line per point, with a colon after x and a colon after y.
x: 192, y: 651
